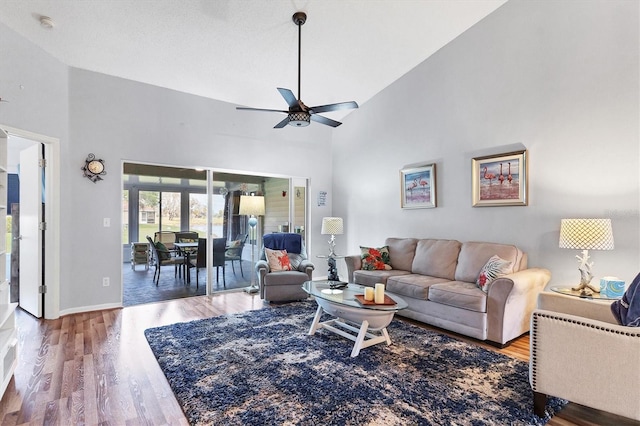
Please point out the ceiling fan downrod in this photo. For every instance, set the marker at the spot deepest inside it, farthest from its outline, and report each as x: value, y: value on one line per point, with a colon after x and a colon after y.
x: 299, y: 18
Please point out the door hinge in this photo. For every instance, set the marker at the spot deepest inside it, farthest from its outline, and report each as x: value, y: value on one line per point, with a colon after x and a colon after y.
x: 43, y: 226
x: 42, y: 162
x: 42, y: 289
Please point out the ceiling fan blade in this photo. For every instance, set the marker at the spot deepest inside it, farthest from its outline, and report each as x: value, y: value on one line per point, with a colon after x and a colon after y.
x: 325, y: 120
x: 281, y: 124
x: 261, y: 109
x: 288, y: 96
x: 333, y: 107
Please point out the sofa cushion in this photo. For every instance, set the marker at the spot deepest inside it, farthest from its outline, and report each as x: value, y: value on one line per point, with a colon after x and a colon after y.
x: 374, y: 259
x: 494, y: 268
x: 474, y: 255
x: 437, y: 258
x: 285, y: 278
x: 372, y: 277
x: 412, y: 285
x: 278, y: 260
x: 459, y: 294
x: 401, y: 252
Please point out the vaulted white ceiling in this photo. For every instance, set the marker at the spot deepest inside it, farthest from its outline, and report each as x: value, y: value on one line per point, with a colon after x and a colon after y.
x: 239, y: 51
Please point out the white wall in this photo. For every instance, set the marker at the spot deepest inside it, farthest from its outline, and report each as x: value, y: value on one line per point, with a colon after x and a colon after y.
x: 121, y: 120
x: 560, y: 78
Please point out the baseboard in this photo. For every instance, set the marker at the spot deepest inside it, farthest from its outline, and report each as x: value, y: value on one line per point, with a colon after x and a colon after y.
x: 83, y: 309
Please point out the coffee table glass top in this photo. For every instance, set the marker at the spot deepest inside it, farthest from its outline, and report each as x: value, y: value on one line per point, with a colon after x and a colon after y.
x: 347, y: 295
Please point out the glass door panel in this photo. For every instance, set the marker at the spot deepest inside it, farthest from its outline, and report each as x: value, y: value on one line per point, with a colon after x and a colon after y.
x: 299, y: 206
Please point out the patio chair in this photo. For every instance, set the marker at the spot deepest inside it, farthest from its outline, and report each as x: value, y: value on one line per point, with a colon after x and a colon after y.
x: 219, y: 245
x: 162, y: 257
x: 234, y: 252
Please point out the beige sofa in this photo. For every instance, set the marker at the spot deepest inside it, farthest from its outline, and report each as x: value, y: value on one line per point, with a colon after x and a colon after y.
x: 580, y: 353
x: 437, y: 279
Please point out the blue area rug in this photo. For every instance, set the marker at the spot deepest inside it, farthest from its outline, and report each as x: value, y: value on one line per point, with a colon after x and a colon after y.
x: 261, y: 368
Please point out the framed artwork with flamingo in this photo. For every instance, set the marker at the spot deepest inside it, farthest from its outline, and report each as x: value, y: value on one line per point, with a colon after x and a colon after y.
x: 418, y: 187
x: 500, y: 180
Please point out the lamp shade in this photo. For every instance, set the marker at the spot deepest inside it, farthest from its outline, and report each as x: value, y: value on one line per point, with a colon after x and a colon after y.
x: 251, y: 205
x: 332, y: 226
x: 586, y: 234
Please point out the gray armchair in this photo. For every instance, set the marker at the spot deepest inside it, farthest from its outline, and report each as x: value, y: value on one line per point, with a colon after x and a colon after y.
x: 281, y: 286
x: 580, y: 353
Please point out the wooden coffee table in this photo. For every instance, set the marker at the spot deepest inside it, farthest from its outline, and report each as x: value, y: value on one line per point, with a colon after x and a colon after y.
x: 366, y: 325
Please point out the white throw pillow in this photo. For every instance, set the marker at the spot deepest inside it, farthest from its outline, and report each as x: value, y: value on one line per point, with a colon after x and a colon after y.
x: 494, y: 268
x: 278, y: 260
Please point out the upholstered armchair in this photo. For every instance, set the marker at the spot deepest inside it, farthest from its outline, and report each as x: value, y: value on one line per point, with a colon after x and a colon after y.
x: 284, y: 285
x: 580, y: 353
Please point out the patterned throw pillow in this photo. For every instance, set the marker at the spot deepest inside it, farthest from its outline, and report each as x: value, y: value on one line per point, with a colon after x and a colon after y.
x: 278, y: 260
x: 494, y: 268
x: 375, y: 259
x: 296, y: 260
x: 163, y: 252
x: 188, y: 240
x: 231, y: 248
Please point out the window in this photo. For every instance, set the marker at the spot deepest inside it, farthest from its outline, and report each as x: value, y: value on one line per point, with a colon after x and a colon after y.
x: 198, y: 213
x: 148, y: 211
x: 170, y: 211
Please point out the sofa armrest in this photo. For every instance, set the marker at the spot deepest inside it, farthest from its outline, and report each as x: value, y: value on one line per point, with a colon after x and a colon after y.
x: 510, y: 301
x: 354, y: 263
x: 262, y: 269
x: 307, y: 267
x: 586, y: 361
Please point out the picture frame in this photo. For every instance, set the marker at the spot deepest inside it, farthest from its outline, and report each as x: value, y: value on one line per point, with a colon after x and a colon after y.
x: 418, y: 187
x: 500, y: 180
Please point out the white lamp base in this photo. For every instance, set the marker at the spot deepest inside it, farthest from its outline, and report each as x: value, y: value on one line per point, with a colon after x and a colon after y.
x: 585, y: 275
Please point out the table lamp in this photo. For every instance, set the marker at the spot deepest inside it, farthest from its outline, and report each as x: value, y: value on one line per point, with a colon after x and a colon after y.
x: 585, y: 235
x: 252, y: 205
x: 332, y: 226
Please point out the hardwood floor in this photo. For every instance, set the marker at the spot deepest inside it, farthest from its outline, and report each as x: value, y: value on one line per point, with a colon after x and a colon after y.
x: 96, y: 368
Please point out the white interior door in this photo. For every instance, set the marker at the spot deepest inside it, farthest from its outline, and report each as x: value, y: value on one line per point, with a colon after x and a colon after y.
x: 30, y: 232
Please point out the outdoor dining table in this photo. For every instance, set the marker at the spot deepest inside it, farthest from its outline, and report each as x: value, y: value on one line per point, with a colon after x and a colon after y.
x: 187, y: 249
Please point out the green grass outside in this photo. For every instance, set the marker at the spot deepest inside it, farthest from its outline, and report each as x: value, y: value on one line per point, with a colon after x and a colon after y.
x: 145, y: 229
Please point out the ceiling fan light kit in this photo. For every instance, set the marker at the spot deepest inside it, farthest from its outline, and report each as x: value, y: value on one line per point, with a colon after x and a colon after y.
x: 298, y: 114
x: 299, y: 119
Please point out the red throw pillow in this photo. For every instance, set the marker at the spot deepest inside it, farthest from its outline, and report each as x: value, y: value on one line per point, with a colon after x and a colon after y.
x: 375, y: 258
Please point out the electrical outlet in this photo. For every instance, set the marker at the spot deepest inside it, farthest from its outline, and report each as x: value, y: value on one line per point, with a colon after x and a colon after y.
x: 105, y: 282
x: 106, y: 222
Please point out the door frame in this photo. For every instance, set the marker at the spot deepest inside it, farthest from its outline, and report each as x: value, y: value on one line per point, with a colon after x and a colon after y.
x: 51, y: 216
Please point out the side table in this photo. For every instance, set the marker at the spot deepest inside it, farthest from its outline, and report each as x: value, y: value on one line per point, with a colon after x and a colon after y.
x: 582, y: 294
x: 331, y: 261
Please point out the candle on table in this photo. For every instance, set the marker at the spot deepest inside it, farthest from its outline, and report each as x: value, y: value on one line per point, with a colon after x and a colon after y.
x: 379, y: 293
x: 368, y: 293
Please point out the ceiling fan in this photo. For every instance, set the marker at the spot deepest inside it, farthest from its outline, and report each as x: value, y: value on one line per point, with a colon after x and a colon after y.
x: 298, y: 114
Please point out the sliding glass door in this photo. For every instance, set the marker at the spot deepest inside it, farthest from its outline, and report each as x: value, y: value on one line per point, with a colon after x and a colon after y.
x: 162, y: 198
